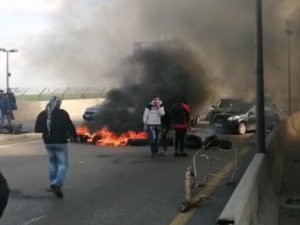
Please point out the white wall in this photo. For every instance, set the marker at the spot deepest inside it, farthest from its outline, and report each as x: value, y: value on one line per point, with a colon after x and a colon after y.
x: 28, y: 111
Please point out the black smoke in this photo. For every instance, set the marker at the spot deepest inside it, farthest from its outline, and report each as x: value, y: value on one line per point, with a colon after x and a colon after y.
x: 88, y: 38
x: 168, y: 69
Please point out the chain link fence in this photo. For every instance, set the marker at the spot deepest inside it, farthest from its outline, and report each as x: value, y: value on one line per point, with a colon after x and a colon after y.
x: 42, y: 94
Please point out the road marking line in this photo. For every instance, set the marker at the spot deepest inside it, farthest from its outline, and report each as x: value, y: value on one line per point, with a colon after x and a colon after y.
x: 21, y: 143
x: 31, y: 221
x: 183, y: 218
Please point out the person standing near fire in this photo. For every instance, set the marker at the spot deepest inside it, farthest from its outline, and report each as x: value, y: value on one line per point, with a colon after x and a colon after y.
x: 181, y: 124
x: 152, y: 123
x: 5, y: 108
x: 12, y: 101
x: 56, y: 126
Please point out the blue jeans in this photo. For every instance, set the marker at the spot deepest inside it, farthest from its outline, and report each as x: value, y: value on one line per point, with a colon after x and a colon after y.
x: 154, y: 132
x: 58, y: 163
x: 5, y: 116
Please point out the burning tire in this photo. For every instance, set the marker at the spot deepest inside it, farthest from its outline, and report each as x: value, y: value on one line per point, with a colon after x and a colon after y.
x: 83, y: 139
x: 86, y: 139
x: 138, y: 142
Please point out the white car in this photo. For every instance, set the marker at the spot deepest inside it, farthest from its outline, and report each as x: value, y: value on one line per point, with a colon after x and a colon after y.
x: 91, y: 112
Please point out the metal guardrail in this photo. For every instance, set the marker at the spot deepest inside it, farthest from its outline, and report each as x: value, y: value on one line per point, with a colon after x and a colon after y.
x: 40, y: 94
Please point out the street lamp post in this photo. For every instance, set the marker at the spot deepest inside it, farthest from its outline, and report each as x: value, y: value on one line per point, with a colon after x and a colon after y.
x: 289, y: 32
x: 259, y: 64
x: 7, y: 64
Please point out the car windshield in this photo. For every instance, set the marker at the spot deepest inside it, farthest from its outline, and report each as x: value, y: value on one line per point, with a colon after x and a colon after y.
x: 239, y: 108
x: 228, y: 103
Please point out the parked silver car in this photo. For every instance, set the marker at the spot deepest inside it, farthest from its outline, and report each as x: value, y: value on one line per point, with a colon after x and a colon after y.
x: 91, y: 113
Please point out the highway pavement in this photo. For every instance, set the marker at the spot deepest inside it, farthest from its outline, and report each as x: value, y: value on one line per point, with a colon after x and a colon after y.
x: 113, y: 186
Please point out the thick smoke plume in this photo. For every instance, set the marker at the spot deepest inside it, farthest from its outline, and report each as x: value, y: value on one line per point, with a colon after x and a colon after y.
x: 90, y: 37
x: 168, y: 69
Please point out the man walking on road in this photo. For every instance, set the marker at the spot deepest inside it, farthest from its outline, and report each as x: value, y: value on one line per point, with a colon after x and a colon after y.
x: 4, y: 193
x: 56, y: 126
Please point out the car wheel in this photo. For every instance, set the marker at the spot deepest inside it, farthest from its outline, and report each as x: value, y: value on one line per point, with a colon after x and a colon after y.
x: 242, y: 129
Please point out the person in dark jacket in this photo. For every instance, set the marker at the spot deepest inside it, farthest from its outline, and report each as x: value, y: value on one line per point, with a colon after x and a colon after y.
x: 56, y: 128
x: 181, y: 123
x: 12, y: 101
x: 4, y: 194
x: 5, y: 108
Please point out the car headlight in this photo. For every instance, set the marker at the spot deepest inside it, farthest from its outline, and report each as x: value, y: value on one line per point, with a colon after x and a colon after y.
x: 232, y: 118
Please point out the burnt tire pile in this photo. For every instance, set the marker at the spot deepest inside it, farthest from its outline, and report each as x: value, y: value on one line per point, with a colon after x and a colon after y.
x: 137, y: 142
x: 194, y: 141
x: 214, y: 141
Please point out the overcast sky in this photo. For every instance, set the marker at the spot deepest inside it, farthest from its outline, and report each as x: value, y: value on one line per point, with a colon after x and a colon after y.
x: 76, y: 43
x: 63, y: 43
x: 21, y: 24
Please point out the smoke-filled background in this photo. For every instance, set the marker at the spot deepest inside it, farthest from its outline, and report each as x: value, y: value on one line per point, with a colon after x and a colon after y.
x: 167, y: 69
x: 92, y: 44
x: 88, y: 38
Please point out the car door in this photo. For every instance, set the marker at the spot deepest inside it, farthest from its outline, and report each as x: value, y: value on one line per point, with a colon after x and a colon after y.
x: 271, y: 117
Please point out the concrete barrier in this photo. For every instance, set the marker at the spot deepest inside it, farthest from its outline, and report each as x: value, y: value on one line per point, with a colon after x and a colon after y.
x: 245, y: 199
x: 254, y: 201
x: 258, y: 198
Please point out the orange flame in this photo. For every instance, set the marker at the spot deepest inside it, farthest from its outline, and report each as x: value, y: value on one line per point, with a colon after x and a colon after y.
x: 108, y: 137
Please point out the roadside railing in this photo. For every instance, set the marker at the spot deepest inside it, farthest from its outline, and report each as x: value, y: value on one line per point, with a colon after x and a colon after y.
x: 42, y: 94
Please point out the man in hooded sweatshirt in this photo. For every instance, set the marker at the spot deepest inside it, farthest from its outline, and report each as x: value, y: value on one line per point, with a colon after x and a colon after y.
x: 56, y: 128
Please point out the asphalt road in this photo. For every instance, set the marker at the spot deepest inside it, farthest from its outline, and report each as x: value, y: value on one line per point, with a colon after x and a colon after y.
x: 116, y: 186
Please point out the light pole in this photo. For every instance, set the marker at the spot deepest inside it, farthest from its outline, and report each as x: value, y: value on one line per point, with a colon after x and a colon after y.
x: 259, y: 64
x: 289, y: 33
x: 7, y: 64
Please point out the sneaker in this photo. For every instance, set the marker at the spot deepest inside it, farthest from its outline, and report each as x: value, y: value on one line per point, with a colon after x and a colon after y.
x: 176, y: 154
x: 57, y: 190
x: 184, y: 154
